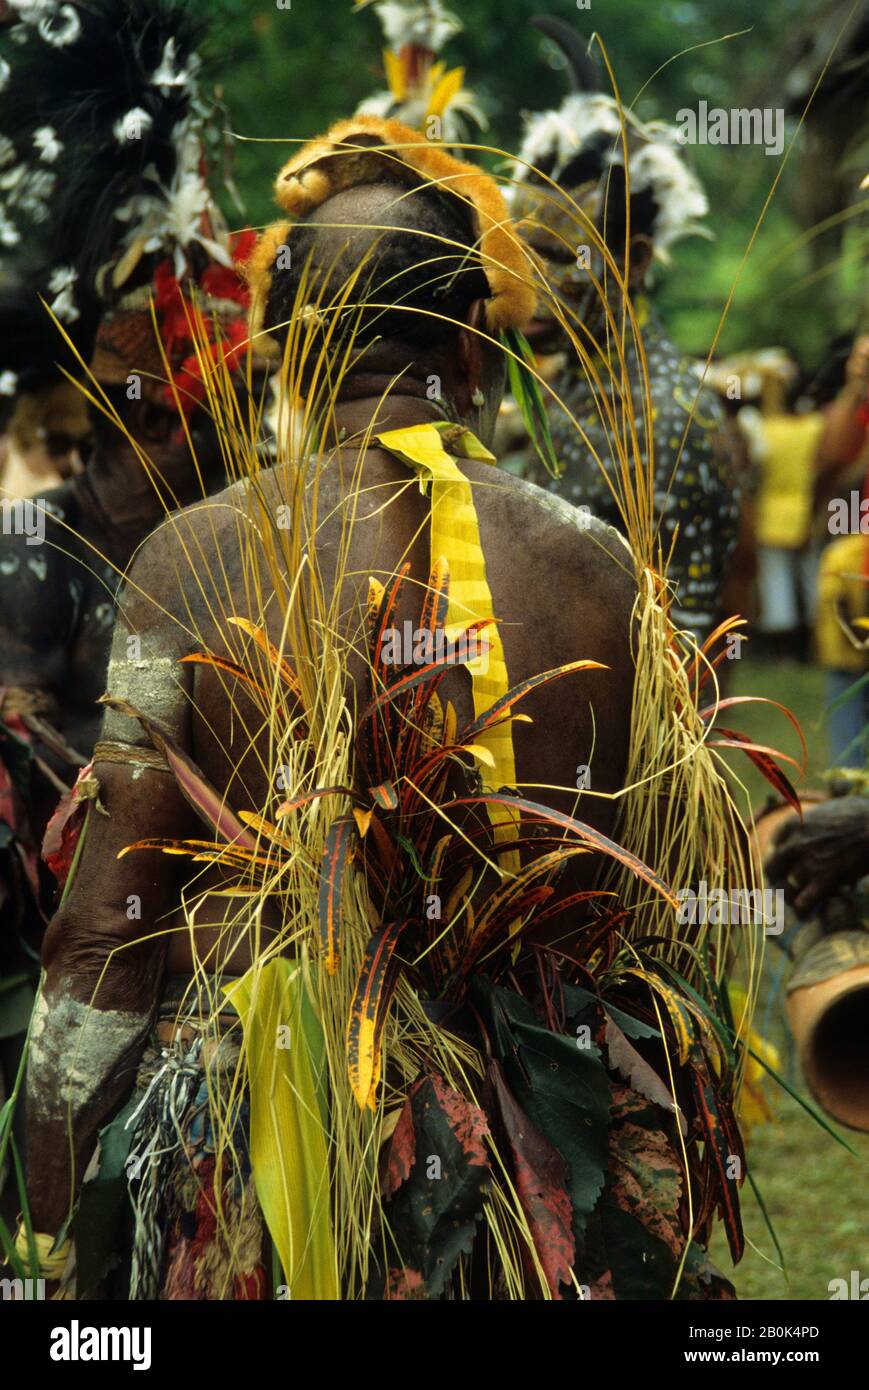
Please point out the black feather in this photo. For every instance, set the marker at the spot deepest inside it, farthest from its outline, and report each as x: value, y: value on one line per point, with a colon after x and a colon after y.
x: 584, y: 71
x: 30, y: 344
x: 81, y: 90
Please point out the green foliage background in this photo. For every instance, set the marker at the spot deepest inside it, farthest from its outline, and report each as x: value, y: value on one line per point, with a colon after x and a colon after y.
x: 290, y: 67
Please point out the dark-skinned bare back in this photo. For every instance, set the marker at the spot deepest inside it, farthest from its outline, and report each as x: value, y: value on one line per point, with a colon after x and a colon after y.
x: 562, y: 589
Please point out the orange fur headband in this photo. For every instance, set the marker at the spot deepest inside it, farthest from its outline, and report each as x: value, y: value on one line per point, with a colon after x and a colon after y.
x: 362, y: 150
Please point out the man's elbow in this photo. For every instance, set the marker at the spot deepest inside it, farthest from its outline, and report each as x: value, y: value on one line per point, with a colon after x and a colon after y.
x: 108, y: 965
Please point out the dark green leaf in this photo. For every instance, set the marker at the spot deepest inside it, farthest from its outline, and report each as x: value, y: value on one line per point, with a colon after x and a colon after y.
x: 431, y: 1218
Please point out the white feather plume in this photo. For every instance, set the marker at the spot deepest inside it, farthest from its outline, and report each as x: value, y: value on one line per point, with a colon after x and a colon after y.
x: 655, y: 158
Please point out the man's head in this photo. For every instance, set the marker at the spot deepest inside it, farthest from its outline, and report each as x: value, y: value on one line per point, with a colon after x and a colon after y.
x: 413, y: 252
x: 418, y: 302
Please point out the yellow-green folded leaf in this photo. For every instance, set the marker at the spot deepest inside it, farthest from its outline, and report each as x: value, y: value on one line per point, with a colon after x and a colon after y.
x: 284, y: 1055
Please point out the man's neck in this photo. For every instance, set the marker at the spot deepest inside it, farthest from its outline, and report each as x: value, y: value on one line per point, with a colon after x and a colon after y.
x: 354, y: 417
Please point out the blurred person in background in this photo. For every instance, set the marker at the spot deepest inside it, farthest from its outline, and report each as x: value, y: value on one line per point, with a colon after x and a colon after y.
x: 570, y: 167
x: 45, y: 441
x: 122, y: 237
x: 843, y: 441
x: 842, y: 465
x: 790, y: 430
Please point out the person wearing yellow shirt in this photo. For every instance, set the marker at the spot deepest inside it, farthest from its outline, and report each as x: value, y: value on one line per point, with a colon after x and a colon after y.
x: 843, y: 587
x: 786, y: 564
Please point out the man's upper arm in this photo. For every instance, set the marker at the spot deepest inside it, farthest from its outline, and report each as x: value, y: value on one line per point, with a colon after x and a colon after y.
x: 105, y: 949
x: 114, y: 905
x: 148, y: 643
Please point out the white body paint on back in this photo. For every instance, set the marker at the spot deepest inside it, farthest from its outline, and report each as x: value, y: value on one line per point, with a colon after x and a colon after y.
x: 565, y: 511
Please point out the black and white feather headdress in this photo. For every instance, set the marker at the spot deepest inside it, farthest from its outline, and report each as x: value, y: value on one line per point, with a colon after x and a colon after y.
x: 580, y: 141
x: 101, y: 151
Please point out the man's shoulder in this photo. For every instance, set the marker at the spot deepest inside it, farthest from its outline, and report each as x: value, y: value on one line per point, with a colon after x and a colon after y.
x: 549, y: 521
x: 552, y: 532
x: 207, y: 523
x: 539, y: 519
x: 203, y: 515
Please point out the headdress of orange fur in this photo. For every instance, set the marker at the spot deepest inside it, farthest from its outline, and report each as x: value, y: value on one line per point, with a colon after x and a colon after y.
x: 366, y: 148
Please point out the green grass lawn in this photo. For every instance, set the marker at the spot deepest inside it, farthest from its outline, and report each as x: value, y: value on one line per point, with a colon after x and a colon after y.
x: 816, y: 1194
x: 801, y: 689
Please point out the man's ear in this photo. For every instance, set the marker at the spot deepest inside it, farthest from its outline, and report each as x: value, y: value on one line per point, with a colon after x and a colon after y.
x: 471, y: 349
x: 640, y: 251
